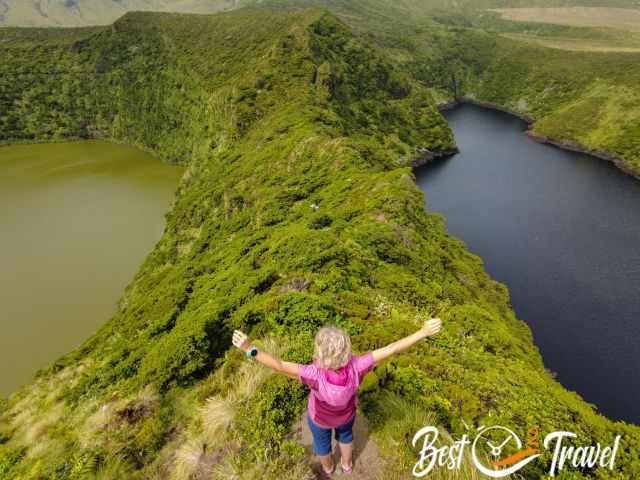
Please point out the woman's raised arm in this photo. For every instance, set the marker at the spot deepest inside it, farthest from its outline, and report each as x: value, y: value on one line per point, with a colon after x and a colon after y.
x: 430, y: 327
x: 289, y: 369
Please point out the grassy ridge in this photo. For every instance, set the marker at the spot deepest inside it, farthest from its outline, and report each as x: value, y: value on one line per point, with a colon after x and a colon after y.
x: 297, y: 209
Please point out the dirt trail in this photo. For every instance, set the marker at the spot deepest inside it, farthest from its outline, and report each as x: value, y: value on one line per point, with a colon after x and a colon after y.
x: 366, y: 460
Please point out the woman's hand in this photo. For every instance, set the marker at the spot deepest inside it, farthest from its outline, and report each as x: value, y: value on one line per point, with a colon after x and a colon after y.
x: 289, y: 369
x: 431, y: 327
x: 241, y: 341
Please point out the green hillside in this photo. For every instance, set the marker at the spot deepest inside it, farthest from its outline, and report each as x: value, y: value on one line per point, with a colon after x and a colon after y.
x: 583, y: 94
x: 582, y: 99
x: 574, y: 90
x: 298, y: 208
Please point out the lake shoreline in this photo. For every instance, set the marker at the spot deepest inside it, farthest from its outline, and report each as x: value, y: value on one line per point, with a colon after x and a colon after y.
x: 564, y: 144
x: 93, y: 138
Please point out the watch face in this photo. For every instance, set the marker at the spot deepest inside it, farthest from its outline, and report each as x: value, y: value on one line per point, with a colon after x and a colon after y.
x: 254, y: 352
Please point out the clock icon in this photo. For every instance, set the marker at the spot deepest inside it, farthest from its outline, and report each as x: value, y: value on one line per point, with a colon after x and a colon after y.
x: 496, y: 439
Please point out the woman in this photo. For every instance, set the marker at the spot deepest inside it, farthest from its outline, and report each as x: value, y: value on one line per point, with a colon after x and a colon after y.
x: 334, y: 378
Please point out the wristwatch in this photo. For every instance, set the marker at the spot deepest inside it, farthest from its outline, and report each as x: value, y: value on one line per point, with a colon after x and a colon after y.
x: 252, y: 352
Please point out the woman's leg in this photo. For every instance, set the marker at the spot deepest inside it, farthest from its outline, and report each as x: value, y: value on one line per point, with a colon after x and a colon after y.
x: 327, y: 463
x: 346, y: 455
x: 344, y: 435
x: 322, y: 445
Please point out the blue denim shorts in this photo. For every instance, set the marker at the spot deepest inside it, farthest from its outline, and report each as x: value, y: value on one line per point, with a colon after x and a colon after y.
x: 322, y: 436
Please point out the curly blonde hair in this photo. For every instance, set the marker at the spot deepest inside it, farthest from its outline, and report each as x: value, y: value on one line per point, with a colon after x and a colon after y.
x: 332, y: 347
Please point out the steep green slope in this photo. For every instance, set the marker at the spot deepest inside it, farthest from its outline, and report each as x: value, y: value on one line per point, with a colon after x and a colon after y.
x: 584, y: 100
x: 581, y: 100
x: 578, y: 99
x: 297, y: 208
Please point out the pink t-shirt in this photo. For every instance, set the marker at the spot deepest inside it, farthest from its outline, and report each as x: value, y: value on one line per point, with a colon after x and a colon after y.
x: 333, y: 399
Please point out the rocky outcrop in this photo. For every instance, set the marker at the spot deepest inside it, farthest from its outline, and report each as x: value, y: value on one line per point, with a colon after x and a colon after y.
x: 426, y: 156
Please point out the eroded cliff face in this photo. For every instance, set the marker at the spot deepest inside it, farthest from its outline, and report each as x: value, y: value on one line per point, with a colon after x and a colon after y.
x: 298, y: 208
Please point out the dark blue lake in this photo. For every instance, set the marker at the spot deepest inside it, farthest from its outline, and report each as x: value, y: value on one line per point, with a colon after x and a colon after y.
x: 562, y: 231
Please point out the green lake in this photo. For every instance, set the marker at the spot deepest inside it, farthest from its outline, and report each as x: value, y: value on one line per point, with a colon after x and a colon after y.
x: 76, y: 222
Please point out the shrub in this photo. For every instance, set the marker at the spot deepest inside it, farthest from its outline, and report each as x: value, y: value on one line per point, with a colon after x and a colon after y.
x: 268, y: 415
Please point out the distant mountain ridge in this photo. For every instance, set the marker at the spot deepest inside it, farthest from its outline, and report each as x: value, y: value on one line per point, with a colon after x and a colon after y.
x: 75, y: 13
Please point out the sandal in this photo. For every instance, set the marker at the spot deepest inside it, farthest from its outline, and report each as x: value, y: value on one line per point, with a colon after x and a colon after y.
x: 346, y: 470
x: 328, y: 474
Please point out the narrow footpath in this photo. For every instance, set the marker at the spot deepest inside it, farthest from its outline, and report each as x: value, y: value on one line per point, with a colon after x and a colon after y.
x: 367, y: 462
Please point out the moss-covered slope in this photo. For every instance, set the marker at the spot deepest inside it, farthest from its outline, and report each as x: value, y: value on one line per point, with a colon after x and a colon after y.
x: 297, y: 209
